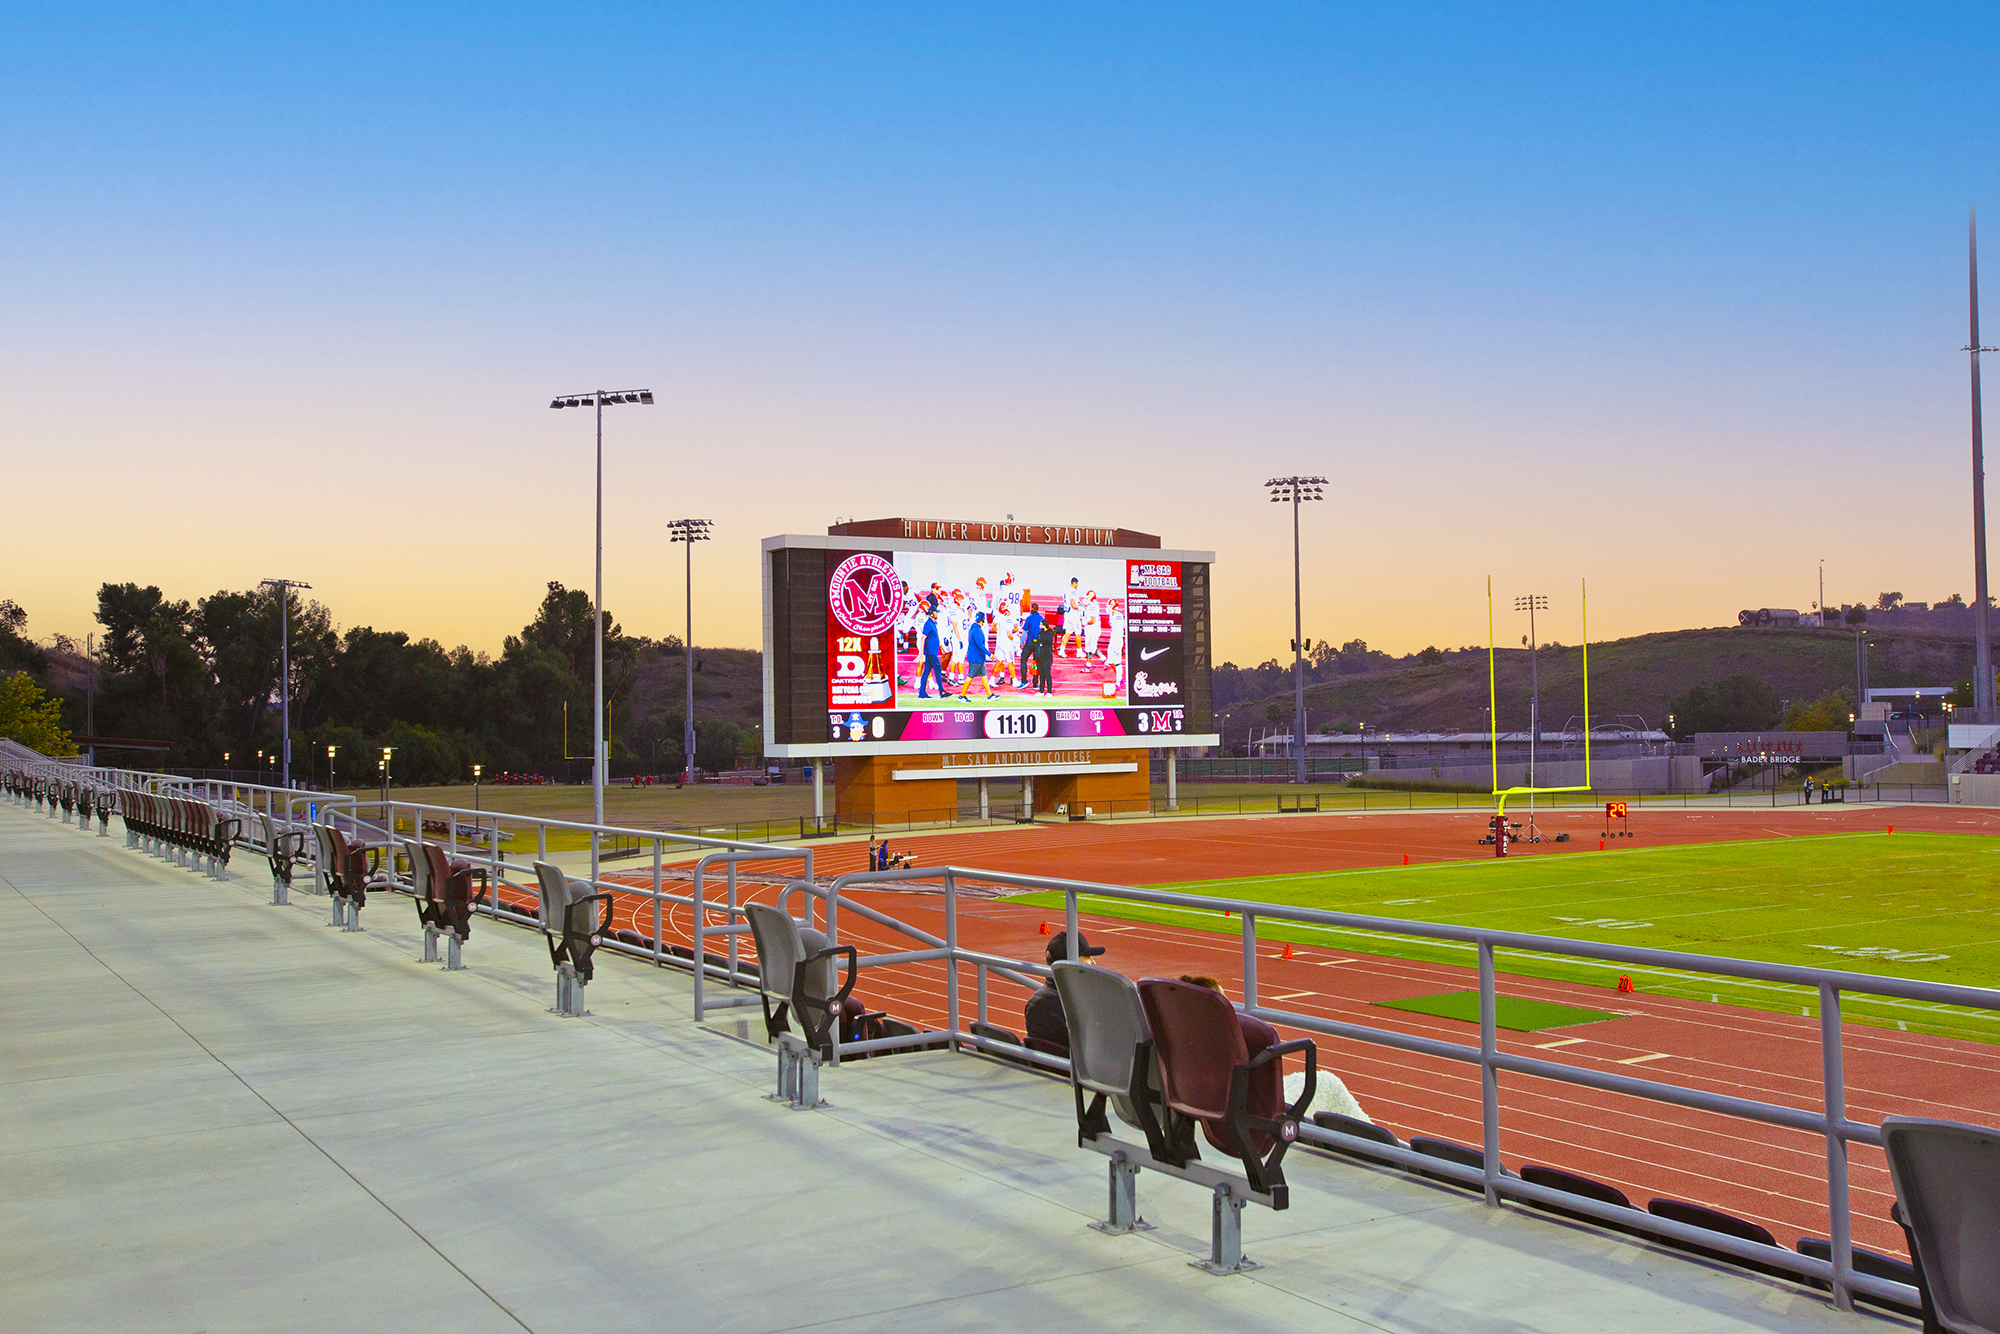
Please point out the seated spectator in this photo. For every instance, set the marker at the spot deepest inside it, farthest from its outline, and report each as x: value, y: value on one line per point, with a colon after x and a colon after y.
x: 1044, y: 1010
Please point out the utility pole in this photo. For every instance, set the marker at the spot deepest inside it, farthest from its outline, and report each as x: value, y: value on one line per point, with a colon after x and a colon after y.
x: 285, y: 587
x: 1982, y: 628
x: 1297, y: 489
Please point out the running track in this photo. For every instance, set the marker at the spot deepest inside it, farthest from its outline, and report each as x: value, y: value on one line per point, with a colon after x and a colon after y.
x: 1647, y: 1149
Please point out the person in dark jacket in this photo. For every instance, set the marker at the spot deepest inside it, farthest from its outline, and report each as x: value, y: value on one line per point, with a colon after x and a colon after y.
x: 1031, y: 631
x: 1045, y: 649
x: 1044, y: 1010
x: 933, y: 663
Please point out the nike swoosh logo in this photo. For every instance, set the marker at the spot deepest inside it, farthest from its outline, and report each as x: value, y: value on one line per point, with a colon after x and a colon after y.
x: 1148, y: 654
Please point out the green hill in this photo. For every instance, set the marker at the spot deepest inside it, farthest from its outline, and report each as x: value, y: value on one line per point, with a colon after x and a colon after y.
x: 1627, y: 676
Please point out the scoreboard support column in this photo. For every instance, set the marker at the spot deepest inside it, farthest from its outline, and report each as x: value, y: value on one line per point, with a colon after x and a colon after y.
x: 1173, y: 780
x: 819, y: 790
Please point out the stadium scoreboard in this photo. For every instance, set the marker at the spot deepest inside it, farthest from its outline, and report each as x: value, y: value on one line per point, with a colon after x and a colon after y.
x: 908, y: 636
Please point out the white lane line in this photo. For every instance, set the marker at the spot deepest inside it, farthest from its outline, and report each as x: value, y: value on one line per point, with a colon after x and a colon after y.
x: 1294, y: 995
x: 1641, y: 1060
x: 1559, y: 1042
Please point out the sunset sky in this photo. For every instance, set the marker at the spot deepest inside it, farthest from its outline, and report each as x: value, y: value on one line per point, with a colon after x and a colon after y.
x: 1668, y: 298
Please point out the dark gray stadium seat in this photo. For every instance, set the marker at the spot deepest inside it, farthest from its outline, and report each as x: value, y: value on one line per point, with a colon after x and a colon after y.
x: 1555, y: 1178
x: 798, y: 970
x: 1872, y: 1263
x: 1947, y: 1178
x: 573, y: 921
x: 1714, y: 1220
x: 1359, y: 1129
x: 1451, y: 1151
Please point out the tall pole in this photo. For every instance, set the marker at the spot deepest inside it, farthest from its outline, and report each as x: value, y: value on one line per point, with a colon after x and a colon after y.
x: 597, y: 689
x: 687, y: 672
x: 1982, y: 675
x: 599, y: 761
x: 285, y: 587
x: 690, y: 531
x: 1534, y: 696
x: 285, y: 688
x: 1297, y: 490
x: 1298, y: 651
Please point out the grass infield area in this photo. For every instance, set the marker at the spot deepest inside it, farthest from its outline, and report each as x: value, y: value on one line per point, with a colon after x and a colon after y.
x: 1916, y: 905
x: 1513, y: 1012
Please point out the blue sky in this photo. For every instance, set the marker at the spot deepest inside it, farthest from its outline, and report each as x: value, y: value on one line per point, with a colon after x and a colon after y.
x: 1668, y: 299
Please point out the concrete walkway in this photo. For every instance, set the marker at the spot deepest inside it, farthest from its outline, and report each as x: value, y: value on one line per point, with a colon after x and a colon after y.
x: 220, y: 1115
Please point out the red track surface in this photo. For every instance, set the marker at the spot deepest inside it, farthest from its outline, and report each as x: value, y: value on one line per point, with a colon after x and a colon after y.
x: 1645, y: 1148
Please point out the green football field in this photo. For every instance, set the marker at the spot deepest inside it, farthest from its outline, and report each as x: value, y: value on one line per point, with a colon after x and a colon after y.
x: 1914, y: 905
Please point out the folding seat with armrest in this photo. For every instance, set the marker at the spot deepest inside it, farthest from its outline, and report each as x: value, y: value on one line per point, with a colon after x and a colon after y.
x: 574, y: 920
x: 443, y: 887
x: 797, y: 968
x: 1163, y: 1056
x: 1947, y: 1179
x: 345, y: 867
x: 1225, y: 1070
x: 283, y: 850
x: 1112, y: 1065
x: 219, y: 831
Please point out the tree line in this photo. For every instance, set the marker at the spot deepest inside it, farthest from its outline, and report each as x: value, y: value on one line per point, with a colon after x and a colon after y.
x: 203, y: 676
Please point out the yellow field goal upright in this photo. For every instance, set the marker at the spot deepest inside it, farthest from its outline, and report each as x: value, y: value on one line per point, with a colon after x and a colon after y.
x: 1501, y: 794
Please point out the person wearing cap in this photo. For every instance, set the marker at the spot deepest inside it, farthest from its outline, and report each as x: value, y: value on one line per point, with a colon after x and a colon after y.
x: 1044, y: 1010
x: 933, y: 661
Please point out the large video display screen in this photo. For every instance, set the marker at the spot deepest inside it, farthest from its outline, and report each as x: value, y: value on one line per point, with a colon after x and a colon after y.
x: 934, y: 646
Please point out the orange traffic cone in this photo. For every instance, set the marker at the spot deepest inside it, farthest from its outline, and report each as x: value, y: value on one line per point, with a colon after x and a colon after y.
x: 1600, y: 845
x: 1892, y: 829
x: 1625, y: 984
x: 1288, y: 951
x: 1406, y: 859
x: 1045, y: 929
x: 1227, y: 913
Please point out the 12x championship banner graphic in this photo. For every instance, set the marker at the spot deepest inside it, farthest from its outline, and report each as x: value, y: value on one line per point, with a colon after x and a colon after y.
x: 928, y: 646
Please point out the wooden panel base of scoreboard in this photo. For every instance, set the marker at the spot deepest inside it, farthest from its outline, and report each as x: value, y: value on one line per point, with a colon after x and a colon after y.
x: 890, y: 787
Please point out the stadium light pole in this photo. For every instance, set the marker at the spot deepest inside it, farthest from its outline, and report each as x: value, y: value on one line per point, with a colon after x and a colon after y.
x: 285, y: 587
x: 1982, y: 623
x: 1532, y: 603
x: 689, y: 531
x: 1297, y: 490
x: 598, y: 399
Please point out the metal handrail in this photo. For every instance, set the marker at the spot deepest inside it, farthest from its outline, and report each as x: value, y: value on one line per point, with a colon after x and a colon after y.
x: 1830, y: 1120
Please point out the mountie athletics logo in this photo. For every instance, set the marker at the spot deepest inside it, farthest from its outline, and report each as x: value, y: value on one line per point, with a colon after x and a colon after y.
x: 864, y: 594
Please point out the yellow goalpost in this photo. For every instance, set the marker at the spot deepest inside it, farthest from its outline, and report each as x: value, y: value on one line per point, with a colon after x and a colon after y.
x: 1501, y: 794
